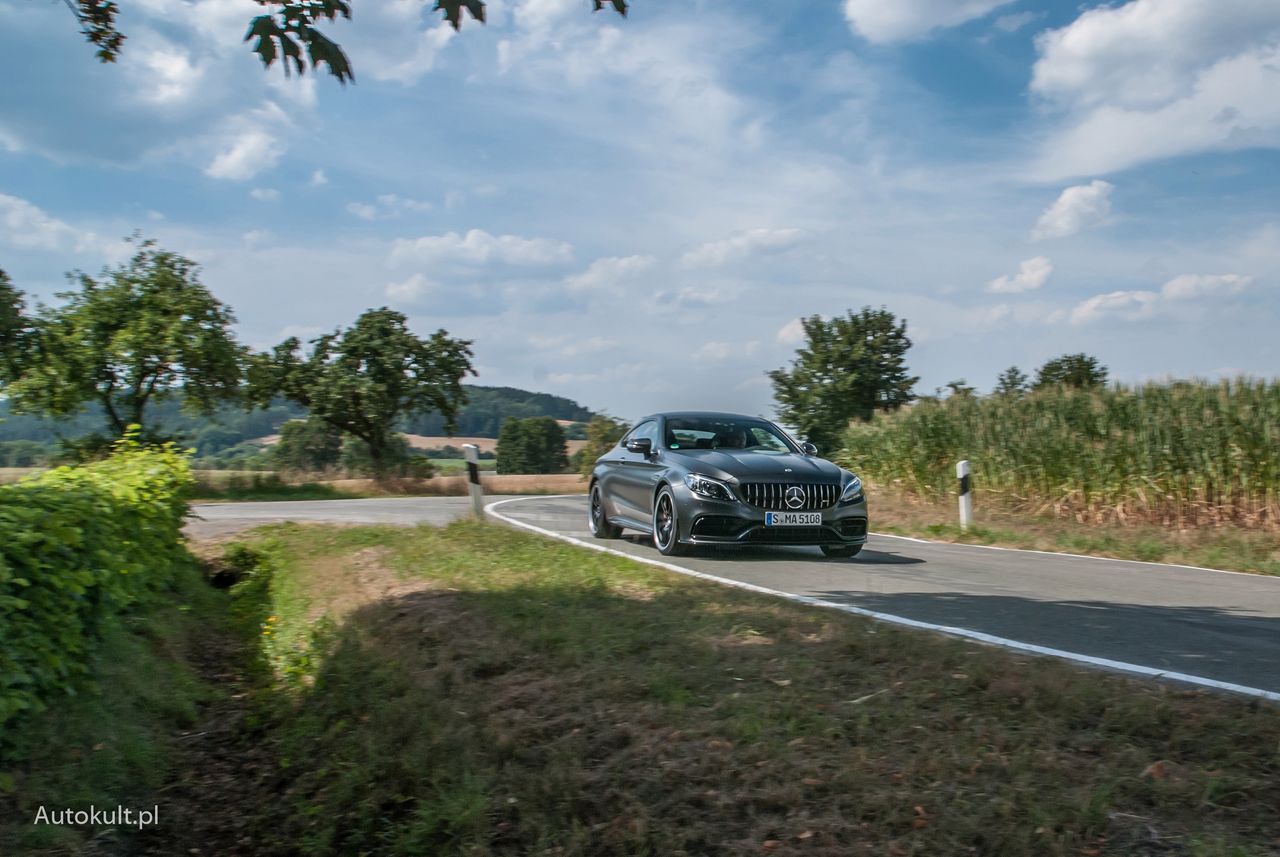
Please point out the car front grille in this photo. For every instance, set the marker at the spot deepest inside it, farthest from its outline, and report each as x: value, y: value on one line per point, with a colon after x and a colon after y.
x: 773, y: 495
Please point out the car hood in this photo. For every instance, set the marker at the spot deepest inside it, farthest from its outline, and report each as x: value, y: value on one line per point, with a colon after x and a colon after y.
x: 747, y: 466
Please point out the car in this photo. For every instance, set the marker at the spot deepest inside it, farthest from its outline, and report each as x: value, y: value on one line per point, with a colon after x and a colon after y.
x: 704, y: 478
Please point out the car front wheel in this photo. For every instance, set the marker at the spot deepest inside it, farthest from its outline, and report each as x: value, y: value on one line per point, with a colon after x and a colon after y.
x: 666, y: 535
x: 841, y: 551
x: 600, y: 526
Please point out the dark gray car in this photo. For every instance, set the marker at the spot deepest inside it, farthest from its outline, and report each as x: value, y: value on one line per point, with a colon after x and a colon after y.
x: 694, y: 478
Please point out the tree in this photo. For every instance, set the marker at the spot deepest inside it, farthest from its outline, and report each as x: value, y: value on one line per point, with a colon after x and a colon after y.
x: 603, y: 433
x: 288, y: 28
x: 850, y: 367
x: 308, y: 445
x: 1012, y: 382
x: 13, y: 330
x: 532, y: 445
x: 139, y: 334
x: 363, y: 380
x: 960, y: 387
x: 1071, y: 370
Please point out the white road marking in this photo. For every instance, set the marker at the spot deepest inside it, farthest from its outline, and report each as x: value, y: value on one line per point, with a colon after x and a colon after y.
x: 965, y: 633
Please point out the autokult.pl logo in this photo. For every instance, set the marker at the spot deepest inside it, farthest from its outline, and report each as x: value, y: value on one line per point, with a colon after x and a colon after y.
x: 119, y: 816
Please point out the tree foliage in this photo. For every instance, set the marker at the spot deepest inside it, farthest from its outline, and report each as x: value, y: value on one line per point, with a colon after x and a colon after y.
x: 308, y: 446
x: 13, y: 330
x: 849, y: 368
x: 287, y: 32
x: 603, y: 433
x: 533, y: 445
x: 362, y: 381
x: 1012, y: 382
x: 1072, y: 370
x: 141, y: 333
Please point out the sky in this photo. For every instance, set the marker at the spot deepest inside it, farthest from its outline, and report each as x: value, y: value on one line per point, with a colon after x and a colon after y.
x: 635, y: 213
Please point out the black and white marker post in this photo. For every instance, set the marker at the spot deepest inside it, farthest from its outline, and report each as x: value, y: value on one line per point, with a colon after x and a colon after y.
x: 966, y: 494
x: 471, y: 453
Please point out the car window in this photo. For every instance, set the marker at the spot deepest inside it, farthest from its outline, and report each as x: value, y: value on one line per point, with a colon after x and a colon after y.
x: 761, y: 439
x: 723, y: 433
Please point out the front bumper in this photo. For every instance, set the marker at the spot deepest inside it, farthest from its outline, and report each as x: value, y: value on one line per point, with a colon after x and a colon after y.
x: 719, y: 522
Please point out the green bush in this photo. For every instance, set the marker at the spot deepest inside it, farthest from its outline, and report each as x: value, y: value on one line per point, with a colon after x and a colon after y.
x: 77, y: 546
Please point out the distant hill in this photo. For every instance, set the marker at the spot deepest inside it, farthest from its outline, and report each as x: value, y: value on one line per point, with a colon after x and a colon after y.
x: 487, y: 407
x: 482, y: 416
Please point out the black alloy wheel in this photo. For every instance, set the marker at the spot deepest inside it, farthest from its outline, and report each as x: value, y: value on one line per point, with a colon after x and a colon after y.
x: 600, y: 526
x: 841, y: 551
x: 665, y: 531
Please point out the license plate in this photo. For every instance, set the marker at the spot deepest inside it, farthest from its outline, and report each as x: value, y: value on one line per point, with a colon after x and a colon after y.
x: 792, y: 519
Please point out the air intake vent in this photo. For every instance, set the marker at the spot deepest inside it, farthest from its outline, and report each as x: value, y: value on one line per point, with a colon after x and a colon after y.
x: 790, y: 496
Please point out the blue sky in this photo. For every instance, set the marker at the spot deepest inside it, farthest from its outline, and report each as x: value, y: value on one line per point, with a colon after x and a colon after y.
x: 633, y: 213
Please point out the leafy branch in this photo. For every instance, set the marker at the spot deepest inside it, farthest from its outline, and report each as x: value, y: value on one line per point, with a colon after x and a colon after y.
x: 287, y: 32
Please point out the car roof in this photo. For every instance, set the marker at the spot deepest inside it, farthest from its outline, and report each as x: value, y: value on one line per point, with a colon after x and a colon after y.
x: 701, y: 415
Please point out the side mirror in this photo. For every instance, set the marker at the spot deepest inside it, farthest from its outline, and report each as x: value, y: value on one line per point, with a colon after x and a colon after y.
x: 642, y: 445
x: 809, y: 449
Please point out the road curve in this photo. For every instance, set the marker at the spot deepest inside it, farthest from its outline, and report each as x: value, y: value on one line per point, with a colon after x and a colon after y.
x: 1214, y: 628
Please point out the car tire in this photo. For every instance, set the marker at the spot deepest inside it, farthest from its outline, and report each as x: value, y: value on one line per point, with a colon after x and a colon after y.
x: 666, y: 524
x: 598, y: 520
x: 841, y: 551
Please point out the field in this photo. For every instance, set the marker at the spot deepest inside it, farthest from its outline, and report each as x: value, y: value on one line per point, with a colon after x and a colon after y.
x: 1185, y: 454
x: 476, y: 690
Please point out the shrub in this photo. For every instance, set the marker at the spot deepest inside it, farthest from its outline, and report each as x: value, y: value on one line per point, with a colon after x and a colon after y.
x: 79, y: 545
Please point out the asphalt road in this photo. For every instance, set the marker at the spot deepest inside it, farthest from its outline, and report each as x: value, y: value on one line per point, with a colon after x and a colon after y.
x: 1218, y: 627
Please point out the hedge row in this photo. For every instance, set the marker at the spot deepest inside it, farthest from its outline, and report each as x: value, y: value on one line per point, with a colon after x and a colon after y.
x: 79, y: 545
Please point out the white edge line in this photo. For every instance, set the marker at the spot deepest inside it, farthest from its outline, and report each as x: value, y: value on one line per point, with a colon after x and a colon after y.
x: 965, y: 633
x: 1254, y: 575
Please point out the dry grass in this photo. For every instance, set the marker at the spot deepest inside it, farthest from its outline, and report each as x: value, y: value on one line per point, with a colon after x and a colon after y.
x: 1234, y: 548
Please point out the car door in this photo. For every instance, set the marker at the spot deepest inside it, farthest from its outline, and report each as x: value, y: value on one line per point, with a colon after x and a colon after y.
x: 635, y: 474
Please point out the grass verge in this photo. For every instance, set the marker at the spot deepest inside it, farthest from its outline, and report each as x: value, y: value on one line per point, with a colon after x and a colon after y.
x: 475, y: 690
x: 258, y: 488
x: 1225, y: 547
x: 112, y: 744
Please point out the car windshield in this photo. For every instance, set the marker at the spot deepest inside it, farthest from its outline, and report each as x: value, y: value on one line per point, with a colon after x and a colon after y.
x: 724, y: 433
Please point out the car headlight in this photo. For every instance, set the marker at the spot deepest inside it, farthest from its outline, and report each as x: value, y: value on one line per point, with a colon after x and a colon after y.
x: 852, y: 492
x: 712, y: 489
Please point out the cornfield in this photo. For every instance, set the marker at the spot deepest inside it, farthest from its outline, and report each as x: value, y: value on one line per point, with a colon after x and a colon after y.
x: 1185, y: 453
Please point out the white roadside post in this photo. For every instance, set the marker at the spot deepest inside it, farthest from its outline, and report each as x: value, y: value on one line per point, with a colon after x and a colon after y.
x: 471, y: 453
x: 966, y: 494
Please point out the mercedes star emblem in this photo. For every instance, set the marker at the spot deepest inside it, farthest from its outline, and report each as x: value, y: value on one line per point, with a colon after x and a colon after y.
x: 795, y: 497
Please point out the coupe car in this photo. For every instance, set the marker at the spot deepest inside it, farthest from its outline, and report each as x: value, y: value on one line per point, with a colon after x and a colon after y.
x: 696, y: 478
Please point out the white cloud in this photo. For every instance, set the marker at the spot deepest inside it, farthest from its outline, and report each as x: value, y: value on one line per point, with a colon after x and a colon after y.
x: 741, y: 246
x: 1191, y: 286
x: 909, y: 20
x: 1016, y: 21
x: 478, y: 247
x: 1139, y: 304
x: 247, y: 154
x: 265, y: 194
x: 1076, y: 207
x: 1032, y: 274
x: 319, y: 179
x: 1159, y: 78
x: 608, y: 274
x: 1127, y: 305
x: 164, y: 75
x: 791, y: 333
x: 362, y: 210
x: 255, y: 237
x: 26, y: 225
x: 411, y: 289
x: 717, y: 351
